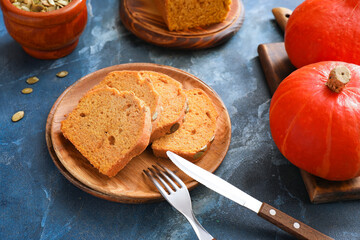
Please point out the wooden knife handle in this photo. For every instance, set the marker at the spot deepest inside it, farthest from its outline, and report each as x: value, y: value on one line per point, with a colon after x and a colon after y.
x: 289, y: 224
x: 282, y: 16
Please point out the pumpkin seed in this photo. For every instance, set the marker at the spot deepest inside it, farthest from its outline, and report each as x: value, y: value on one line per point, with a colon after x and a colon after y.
x: 187, y: 108
x: 198, y: 155
x: 28, y: 3
x: 36, y: 8
x: 32, y: 80
x: 17, y: 116
x: 27, y: 90
x: 25, y: 8
x: 63, y: 2
x: 45, y: 3
x: 40, y: 5
x: 154, y: 117
x: 204, y: 148
x: 62, y: 74
x: 16, y: 4
x: 174, y: 127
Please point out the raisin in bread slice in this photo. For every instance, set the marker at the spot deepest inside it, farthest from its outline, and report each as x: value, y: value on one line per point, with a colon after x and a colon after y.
x: 194, y: 137
x: 109, y: 128
x: 143, y: 89
x: 173, y: 101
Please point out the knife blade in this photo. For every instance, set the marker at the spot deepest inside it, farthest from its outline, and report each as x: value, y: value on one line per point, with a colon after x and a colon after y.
x: 264, y: 210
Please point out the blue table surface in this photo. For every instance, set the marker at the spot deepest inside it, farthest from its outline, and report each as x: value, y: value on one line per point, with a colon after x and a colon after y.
x: 37, y: 202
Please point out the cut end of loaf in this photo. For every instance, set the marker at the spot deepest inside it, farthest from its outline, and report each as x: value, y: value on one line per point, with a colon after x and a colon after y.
x: 183, y: 15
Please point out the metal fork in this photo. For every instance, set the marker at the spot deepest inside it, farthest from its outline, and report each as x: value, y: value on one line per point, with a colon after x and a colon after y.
x: 178, y: 197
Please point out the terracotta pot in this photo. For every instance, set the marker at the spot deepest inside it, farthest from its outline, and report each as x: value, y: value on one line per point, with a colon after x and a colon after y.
x: 46, y: 35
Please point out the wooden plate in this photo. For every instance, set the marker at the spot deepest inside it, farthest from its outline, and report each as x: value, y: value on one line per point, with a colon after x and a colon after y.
x: 130, y: 185
x: 143, y: 19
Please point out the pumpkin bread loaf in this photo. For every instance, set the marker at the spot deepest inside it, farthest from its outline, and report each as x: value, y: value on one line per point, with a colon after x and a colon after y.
x: 173, y: 100
x: 194, y: 137
x: 185, y: 14
x: 143, y: 89
x: 109, y: 128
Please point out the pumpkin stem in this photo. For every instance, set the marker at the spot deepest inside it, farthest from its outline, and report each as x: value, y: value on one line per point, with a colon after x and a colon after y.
x: 338, y: 78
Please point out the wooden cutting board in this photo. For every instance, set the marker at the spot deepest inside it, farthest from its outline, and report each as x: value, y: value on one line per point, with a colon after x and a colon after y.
x: 143, y: 19
x: 277, y: 66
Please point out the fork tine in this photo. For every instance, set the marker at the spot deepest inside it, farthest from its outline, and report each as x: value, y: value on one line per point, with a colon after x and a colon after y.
x: 156, y: 183
x: 168, y: 188
x: 173, y: 175
x: 167, y: 177
x: 179, y: 199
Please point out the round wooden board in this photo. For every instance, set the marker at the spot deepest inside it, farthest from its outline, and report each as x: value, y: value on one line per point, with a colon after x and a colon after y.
x: 142, y: 18
x: 130, y: 185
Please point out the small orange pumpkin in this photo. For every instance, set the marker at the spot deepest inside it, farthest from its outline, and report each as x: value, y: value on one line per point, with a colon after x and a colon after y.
x: 324, y: 30
x: 315, y: 119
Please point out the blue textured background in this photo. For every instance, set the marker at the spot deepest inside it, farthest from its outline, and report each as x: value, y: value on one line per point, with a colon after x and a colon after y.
x: 37, y: 202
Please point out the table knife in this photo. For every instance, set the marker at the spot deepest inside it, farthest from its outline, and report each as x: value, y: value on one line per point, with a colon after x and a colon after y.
x: 264, y: 210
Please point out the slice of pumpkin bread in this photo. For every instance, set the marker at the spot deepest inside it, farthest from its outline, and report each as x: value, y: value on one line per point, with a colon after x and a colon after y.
x: 194, y: 137
x: 143, y: 89
x: 109, y: 128
x: 173, y: 101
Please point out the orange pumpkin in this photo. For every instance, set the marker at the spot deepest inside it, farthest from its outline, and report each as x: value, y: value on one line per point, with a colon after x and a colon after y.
x: 315, y: 127
x: 324, y: 30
